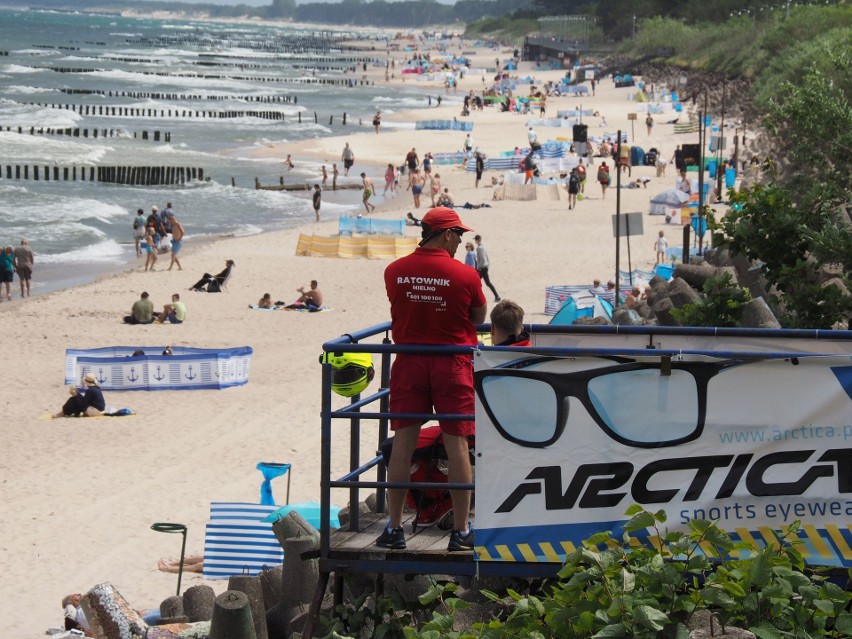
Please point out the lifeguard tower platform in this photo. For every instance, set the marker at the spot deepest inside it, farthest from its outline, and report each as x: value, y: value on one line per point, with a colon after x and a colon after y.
x: 749, y: 427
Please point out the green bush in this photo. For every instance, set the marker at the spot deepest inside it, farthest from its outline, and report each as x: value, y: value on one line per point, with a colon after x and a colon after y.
x: 612, y: 587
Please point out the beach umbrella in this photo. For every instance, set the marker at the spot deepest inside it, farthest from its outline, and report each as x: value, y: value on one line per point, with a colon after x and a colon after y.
x: 671, y: 199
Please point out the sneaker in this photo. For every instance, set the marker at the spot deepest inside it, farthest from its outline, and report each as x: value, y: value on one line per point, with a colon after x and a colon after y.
x: 393, y: 538
x: 460, y: 541
x: 498, y: 298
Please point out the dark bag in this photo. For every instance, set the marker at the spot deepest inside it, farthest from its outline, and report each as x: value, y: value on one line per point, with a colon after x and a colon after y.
x: 428, y: 464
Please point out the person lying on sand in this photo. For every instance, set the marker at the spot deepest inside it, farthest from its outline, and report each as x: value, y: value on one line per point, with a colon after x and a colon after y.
x: 193, y: 563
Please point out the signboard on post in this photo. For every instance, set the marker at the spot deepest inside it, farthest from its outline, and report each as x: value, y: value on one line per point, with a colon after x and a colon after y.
x: 627, y: 224
x: 567, y: 443
x: 590, y: 74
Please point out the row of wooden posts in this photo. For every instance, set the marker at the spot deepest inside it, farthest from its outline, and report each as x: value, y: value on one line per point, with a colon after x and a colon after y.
x: 157, y: 136
x: 147, y: 95
x: 120, y: 111
x: 164, y: 113
x: 133, y: 175
x: 328, y: 81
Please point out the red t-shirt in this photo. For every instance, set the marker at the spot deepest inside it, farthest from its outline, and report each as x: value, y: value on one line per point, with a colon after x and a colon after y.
x: 431, y: 295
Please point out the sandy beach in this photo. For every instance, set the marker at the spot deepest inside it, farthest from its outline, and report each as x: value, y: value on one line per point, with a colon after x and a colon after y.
x: 79, y: 495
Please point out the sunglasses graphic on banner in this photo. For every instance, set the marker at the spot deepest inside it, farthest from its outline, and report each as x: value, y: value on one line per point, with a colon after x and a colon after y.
x: 640, y: 404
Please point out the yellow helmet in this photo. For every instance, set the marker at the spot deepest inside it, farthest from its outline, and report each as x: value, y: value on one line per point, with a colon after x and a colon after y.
x: 350, y: 373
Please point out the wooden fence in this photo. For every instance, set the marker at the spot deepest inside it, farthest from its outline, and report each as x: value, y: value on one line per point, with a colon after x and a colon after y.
x: 132, y: 175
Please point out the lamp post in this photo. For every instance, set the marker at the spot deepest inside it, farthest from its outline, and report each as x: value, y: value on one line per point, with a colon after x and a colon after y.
x: 634, y: 27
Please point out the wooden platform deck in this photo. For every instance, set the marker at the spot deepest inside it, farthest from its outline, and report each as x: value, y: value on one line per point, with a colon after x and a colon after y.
x: 427, y: 544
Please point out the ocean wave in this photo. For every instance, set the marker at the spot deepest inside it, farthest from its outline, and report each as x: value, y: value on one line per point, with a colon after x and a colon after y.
x: 28, y: 90
x: 104, y: 251
x: 169, y: 83
x: 404, y: 102
x: 25, y: 148
x: 17, y: 68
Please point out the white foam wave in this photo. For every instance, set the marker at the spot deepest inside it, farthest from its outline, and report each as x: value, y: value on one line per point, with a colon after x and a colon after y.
x: 170, y: 83
x: 46, y: 150
x: 17, y: 68
x: 105, y: 251
x: 247, y: 229
x: 401, y: 102
x: 28, y: 90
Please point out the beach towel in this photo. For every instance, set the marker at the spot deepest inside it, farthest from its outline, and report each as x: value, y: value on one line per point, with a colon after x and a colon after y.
x: 305, y: 309
x: 110, y: 411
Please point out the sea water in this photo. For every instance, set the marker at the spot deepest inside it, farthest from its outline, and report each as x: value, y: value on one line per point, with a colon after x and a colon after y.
x: 82, y: 228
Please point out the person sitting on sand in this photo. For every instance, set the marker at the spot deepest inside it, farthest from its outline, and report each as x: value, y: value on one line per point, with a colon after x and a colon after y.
x: 446, y: 199
x: 214, y: 283
x: 310, y: 299
x: 193, y: 563
x: 75, y: 619
x: 175, y: 312
x: 87, y: 401
x: 265, y: 301
x: 142, y: 311
x: 410, y: 220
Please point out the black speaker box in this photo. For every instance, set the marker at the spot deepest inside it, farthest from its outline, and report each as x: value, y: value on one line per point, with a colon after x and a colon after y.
x: 581, y: 133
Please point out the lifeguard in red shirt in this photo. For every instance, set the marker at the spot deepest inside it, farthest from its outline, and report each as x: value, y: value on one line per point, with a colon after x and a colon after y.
x: 437, y: 300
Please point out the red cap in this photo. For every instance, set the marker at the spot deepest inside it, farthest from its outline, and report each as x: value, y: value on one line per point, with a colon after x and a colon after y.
x: 441, y: 218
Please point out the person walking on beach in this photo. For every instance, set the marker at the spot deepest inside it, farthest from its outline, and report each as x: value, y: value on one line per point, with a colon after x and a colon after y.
x: 573, y: 188
x: 529, y: 167
x: 167, y: 216
x: 177, y: 243
x: 390, y: 179
x: 416, y: 182
x: 334, y: 175
x: 603, y: 178
x: 661, y: 247
x: 150, y: 246
x: 419, y: 383
x: 24, y: 260
x: 482, y: 264
x: 155, y: 219
x: 7, y: 271
x: 434, y: 187
x: 289, y: 163
x: 649, y: 123
x: 411, y: 160
x: 678, y: 160
x: 324, y: 176
x: 317, y: 200
x: 139, y: 230
x: 377, y: 121
x: 348, y: 157
x: 367, y: 184
x: 479, y: 157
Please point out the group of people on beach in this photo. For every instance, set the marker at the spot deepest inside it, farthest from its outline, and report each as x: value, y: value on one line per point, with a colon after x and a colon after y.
x: 16, y: 260
x: 310, y: 299
x: 161, y: 232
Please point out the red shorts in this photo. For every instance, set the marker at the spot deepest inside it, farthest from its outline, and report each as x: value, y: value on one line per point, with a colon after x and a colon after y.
x: 529, y: 174
x: 420, y: 383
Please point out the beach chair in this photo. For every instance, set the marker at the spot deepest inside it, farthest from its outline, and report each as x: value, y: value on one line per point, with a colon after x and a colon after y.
x: 224, y: 284
x: 238, y: 542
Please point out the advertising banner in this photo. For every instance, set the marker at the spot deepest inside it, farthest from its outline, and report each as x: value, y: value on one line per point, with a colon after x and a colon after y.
x: 566, y: 444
